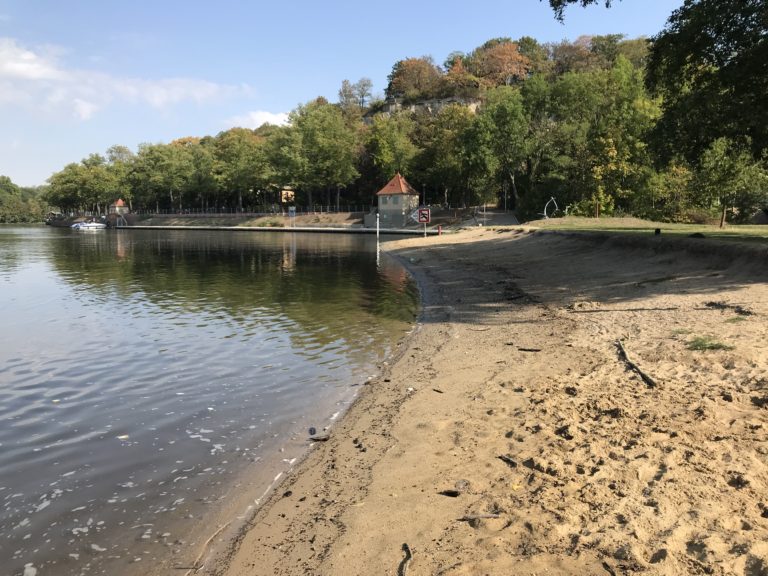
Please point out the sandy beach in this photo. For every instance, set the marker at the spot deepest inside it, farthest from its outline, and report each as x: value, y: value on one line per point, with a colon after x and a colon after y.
x: 568, y: 404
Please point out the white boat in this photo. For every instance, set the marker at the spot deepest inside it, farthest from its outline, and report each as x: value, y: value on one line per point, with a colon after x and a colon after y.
x: 89, y: 226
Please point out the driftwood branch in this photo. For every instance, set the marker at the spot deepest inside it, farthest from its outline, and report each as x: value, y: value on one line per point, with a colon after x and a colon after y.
x: 632, y: 366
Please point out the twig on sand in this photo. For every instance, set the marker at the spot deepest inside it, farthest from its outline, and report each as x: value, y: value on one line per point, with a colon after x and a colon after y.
x: 471, y: 517
x: 198, y: 565
x: 320, y: 438
x: 529, y: 349
x: 632, y: 366
x: 403, y: 568
x: 509, y: 461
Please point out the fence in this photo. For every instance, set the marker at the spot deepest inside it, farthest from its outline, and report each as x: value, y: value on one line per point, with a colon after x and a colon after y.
x: 253, y: 212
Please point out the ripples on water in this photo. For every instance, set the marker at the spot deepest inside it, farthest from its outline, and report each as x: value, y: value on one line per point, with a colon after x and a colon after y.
x: 141, y: 373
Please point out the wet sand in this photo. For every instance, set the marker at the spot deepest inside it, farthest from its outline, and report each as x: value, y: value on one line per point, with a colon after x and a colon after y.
x: 511, y: 435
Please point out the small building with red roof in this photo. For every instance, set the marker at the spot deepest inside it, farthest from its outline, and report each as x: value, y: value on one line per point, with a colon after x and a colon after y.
x: 119, y: 207
x: 396, y: 202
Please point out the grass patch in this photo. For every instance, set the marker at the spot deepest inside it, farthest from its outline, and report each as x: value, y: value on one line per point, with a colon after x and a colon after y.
x: 702, y: 343
x: 680, y: 331
x: 735, y: 320
x: 742, y: 232
x: 269, y: 223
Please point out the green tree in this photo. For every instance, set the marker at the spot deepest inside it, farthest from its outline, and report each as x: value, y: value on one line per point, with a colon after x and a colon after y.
x: 505, y: 116
x: 669, y: 195
x: 89, y: 185
x: 119, y: 159
x: 606, y: 48
x: 537, y: 55
x: 347, y: 96
x: 636, y: 51
x: 390, y: 146
x: 11, y: 204
x: 8, y: 188
x: 283, y: 150
x: 708, y: 64
x: 202, y: 185
x: 479, y: 163
x: 97, y: 183
x: 362, y: 91
x: 540, y: 140
x: 64, y: 188
x: 241, y: 164
x: 327, y: 150
x: 586, y: 137
x: 160, y: 175
x: 729, y: 178
x: 440, y: 163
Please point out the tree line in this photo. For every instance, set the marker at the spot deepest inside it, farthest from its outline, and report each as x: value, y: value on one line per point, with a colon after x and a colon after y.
x: 19, y: 204
x: 670, y: 128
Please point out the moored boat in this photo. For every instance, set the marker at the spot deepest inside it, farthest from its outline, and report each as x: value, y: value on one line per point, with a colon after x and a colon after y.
x: 89, y: 226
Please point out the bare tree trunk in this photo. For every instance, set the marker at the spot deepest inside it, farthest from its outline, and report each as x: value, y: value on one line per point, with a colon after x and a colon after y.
x: 722, y: 216
x: 515, y: 194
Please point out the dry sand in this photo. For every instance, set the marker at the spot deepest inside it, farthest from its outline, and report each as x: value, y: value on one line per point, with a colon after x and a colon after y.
x: 511, y: 437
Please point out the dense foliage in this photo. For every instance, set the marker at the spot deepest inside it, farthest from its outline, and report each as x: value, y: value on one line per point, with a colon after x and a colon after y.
x: 673, y: 128
x: 18, y: 205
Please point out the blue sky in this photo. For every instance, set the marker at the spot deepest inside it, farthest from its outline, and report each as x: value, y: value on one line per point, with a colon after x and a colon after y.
x: 78, y: 76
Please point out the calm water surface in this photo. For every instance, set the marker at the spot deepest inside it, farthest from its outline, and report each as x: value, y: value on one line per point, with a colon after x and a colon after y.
x: 153, y: 384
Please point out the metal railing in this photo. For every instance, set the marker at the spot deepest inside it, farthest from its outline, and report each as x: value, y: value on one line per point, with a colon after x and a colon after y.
x: 253, y: 211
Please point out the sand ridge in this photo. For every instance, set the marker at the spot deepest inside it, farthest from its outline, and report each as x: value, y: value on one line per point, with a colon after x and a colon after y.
x: 511, y: 437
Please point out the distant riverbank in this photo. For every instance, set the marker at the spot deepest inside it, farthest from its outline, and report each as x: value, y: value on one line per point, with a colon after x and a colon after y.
x: 337, y: 219
x: 303, y: 220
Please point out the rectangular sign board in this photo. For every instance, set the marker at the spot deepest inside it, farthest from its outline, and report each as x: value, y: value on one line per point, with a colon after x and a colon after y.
x: 424, y: 216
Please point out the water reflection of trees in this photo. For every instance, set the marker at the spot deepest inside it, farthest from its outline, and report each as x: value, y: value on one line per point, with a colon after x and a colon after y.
x: 11, y: 255
x: 329, y: 285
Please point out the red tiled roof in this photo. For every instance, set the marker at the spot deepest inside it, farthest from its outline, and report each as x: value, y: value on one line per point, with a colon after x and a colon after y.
x: 398, y: 185
x: 120, y: 203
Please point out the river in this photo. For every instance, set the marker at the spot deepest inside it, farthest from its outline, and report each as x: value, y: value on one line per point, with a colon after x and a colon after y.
x: 155, y: 384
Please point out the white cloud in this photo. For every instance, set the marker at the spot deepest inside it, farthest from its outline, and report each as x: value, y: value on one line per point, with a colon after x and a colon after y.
x: 35, y: 79
x: 19, y: 63
x: 84, y: 109
x: 257, y: 118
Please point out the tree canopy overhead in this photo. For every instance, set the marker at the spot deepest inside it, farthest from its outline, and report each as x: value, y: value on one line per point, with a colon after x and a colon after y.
x: 710, y: 65
x: 559, y: 6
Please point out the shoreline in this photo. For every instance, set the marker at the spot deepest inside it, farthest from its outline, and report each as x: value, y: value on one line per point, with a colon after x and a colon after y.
x: 310, y: 229
x: 509, y: 437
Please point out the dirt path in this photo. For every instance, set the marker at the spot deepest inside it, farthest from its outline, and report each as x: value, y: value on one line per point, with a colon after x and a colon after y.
x: 510, y: 436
